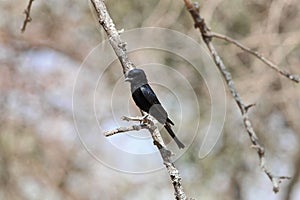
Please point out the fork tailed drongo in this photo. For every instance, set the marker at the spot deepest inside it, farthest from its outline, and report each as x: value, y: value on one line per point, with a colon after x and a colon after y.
x: 146, y: 100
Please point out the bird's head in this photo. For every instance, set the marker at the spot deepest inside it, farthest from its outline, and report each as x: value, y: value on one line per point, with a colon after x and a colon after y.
x: 136, y: 76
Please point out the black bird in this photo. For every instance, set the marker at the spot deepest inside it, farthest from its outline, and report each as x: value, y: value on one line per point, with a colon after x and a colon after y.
x: 146, y: 100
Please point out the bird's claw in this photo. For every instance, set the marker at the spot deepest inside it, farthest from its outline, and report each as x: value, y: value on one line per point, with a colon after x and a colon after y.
x: 144, y: 118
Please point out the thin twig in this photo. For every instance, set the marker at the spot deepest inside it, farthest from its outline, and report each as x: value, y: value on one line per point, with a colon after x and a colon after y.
x: 269, y: 63
x: 27, y: 16
x: 120, y: 49
x: 124, y: 129
x: 207, y: 38
x: 136, y: 119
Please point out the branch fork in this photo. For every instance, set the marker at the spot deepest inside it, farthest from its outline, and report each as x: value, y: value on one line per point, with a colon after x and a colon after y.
x: 207, y: 37
x: 149, y: 123
x: 146, y: 122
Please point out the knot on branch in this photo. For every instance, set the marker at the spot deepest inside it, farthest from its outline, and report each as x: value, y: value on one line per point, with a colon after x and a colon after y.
x: 122, y: 45
x: 260, y: 149
x: 294, y: 77
x: 199, y: 22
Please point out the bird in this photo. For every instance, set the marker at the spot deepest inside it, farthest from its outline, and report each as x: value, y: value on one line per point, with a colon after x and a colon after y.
x: 145, y: 98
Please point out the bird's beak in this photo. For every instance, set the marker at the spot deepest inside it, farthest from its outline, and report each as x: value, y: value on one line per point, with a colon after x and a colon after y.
x: 128, y: 79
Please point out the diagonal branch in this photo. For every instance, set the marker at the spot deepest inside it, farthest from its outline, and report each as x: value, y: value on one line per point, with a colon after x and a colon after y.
x: 113, y: 35
x: 120, y: 49
x: 124, y: 129
x: 207, y: 36
x: 269, y: 63
x: 27, y: 16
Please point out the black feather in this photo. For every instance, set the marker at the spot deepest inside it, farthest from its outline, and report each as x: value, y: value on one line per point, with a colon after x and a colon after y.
x: 172, y: 134
x: 146, y: 100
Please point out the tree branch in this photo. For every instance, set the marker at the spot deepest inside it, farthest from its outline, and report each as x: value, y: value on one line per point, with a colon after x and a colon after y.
x: 124, y: 129
x: 120, y: 49
x: 27, y: 16
x: 269, y: 63
x: 149, y: 123
x: 113, y: 35
x: 207, y: 36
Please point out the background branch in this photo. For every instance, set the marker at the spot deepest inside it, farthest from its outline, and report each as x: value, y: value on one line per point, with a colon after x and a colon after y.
x: 124, y: 129
x: 269, y: 63
x: 207, y: 38
x: 27, y: 16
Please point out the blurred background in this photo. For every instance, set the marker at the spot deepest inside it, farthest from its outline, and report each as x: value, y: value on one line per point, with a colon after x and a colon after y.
x: 43, y: 153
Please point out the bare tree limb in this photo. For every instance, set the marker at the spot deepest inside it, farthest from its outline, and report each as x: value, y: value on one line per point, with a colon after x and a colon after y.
x: 269, y: 63
x: 27, y: 16
x: 149, y: 123
x: 207, y: 36
x: 124, y: 129
x: 120, y: 49
x: 113, y: 35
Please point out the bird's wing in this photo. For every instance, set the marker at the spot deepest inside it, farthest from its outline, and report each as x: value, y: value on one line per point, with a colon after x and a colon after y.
x: 156, y: 109
x: 147, y: 91
x: 149, y: 94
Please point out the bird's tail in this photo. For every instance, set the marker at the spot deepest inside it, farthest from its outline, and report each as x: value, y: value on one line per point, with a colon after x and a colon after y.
x: 172, y: 134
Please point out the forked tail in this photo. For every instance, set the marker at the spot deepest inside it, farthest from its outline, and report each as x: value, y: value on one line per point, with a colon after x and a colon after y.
x: 172, y: 134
